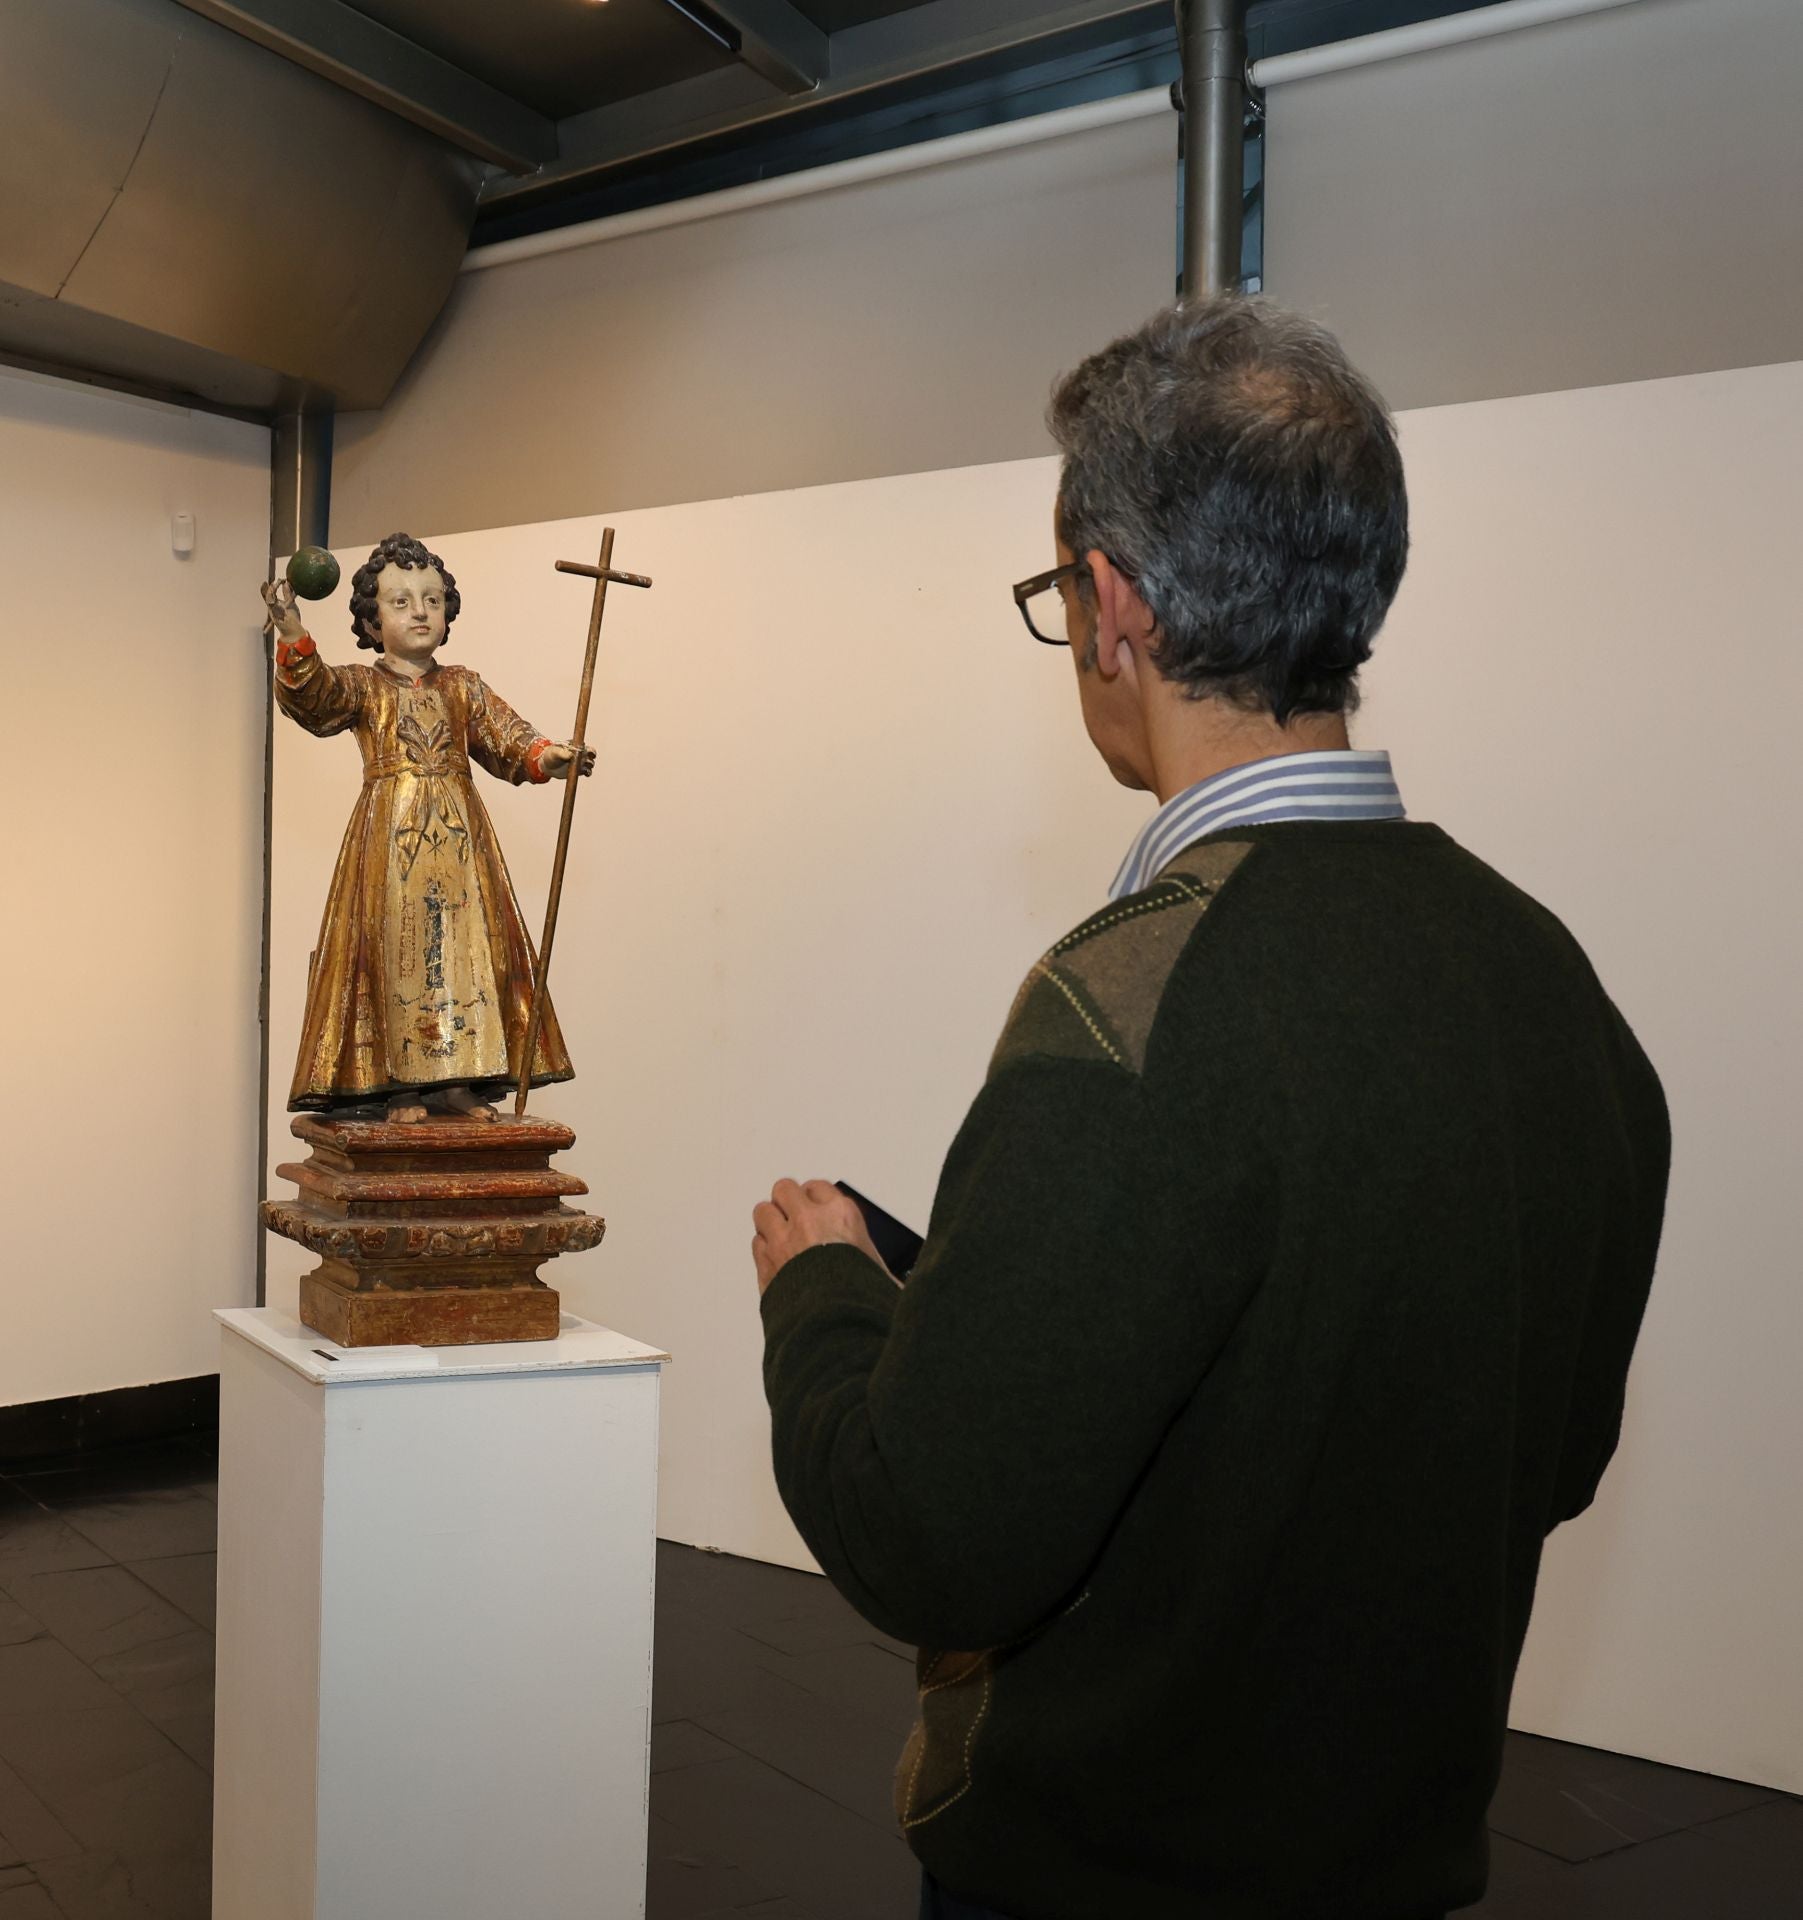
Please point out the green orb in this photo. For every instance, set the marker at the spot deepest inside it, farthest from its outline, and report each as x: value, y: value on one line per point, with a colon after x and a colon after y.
x: 313, y: 573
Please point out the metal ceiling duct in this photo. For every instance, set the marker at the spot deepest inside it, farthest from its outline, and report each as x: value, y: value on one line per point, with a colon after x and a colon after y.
x: 193, y: 214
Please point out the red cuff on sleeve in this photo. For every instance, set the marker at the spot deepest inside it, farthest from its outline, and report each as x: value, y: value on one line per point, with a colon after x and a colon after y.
x: 535, y: 771
x: 287, y: 653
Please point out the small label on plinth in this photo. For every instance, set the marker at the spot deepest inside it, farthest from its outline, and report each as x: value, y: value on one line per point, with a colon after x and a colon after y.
x: 384, y: 1360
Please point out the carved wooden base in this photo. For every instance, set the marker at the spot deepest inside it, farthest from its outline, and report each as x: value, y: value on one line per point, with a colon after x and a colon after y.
x: 427, y: 1316
x: 431, y: 1234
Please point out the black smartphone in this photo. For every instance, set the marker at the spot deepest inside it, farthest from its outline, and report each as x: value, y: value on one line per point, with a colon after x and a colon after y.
x: 900, y: 1246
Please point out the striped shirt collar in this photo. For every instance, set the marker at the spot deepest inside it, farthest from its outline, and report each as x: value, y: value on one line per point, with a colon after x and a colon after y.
x: 1345, y: 785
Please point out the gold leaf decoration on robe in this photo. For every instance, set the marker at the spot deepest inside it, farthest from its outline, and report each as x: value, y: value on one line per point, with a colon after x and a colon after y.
x: 423, y: 973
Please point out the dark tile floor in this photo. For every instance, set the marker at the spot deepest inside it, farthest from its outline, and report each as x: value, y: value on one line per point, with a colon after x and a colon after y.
x: 779, y: 1715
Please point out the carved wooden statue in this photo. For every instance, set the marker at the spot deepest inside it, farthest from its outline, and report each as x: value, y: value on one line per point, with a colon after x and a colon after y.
x: 421, y: 987
x: 430, y: 1229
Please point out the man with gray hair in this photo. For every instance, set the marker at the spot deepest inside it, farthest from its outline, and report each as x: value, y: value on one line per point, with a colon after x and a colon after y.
x: 1282, y: 1281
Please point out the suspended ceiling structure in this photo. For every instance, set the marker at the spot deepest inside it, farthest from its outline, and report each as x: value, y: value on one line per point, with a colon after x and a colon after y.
x: 259, y: 205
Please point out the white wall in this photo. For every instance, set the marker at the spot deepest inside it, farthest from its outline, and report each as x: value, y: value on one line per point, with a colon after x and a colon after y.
x: 844, y: 802
x: 131, y: 787
x: 1613, y: 197
x: 1592, y: 678
x: 898, y: 326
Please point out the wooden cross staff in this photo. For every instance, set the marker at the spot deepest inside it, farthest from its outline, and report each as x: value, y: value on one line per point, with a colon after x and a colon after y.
x: 600, y: 575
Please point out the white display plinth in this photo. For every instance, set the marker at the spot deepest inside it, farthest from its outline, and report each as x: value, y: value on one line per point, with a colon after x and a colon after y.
x: 435, y: 1585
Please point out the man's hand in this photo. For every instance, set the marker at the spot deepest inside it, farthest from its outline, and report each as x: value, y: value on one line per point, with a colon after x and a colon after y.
x: 799, y: 1215
x: 556, y: 759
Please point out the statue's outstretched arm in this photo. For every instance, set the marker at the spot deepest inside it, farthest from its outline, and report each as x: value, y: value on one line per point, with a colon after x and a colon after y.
x: 512, y: 748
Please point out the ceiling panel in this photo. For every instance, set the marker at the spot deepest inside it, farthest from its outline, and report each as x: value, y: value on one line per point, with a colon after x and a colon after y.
x: 558, y: 56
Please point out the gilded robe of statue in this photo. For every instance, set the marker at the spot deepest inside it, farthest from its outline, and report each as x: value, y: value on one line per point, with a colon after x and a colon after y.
x: 423, y: 974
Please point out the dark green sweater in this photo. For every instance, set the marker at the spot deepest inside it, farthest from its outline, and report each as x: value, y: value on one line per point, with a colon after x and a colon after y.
x: 1277, y: 1302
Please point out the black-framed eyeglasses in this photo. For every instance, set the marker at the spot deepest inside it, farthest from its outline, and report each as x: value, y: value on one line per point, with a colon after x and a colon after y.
x: 1042, y: 604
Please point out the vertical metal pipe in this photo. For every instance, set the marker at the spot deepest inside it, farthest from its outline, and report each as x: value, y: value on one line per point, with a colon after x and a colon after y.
x: 1212, y: 34
x: 300, y: 512
x: 300, y: 473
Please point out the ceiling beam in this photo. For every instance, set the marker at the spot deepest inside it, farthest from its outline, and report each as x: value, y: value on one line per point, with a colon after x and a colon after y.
x: 936, y: 39
x: 365, y: 58
x: 776, y: 40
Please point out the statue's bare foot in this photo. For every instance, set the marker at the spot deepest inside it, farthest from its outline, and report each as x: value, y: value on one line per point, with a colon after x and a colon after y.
x: 407, y: 1109
x: 468, y: 1102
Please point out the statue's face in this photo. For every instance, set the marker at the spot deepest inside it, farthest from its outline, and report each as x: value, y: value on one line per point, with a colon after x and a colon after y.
x: 410, y: 611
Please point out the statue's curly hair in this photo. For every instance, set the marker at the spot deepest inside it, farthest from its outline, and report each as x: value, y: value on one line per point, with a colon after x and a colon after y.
x: 398, y: 550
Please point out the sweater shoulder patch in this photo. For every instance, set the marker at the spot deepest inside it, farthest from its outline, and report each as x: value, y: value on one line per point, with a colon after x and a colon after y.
x: 1096, y: 994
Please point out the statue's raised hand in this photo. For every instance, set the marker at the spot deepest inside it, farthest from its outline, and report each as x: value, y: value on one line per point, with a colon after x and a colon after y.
x: 281, y: 615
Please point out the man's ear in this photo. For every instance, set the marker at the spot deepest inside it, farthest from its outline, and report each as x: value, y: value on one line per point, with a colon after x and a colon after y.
x: 1124, y: 622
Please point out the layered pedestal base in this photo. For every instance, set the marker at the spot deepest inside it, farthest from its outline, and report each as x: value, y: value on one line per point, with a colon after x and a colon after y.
x: 431, y: 1234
